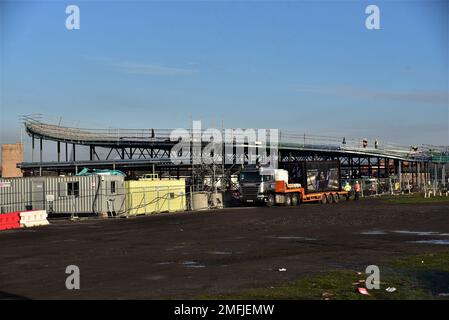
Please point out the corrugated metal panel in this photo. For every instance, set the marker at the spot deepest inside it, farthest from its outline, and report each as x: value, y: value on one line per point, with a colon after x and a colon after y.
x: 15, y: 194
x: 71, y: 194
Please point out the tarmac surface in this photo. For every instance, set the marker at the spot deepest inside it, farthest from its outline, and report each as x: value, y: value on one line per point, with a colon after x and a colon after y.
x: 186, y: 255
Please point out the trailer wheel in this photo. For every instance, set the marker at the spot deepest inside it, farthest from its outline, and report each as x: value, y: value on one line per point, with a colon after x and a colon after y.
x: 295, y: 200
x: 288, y: 200
x: 323, y: 199
x: 335, y: 198
x: 270, y: 200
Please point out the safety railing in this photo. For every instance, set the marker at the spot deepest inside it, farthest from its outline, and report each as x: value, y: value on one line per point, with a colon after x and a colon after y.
x: 286, y: 139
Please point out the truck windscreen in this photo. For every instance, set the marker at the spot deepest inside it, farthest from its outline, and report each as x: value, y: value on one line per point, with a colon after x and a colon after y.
x: 250, y: 177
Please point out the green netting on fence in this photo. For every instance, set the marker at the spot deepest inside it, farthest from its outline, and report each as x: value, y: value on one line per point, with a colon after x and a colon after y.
x: 440, y: 158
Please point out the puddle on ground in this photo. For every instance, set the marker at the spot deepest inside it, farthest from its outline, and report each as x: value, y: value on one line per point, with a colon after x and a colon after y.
x: 294, y: 238
x: 164, y: 263
x: 192, y: 264
x: 175, y: 248
x: 419, y: 233
x: 406, y: 232
x: 222, y: 252
x: 373, y: 232
x: 435, y: 241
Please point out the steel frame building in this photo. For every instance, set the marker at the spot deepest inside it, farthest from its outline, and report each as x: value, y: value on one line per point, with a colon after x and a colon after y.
x: 134, y: 150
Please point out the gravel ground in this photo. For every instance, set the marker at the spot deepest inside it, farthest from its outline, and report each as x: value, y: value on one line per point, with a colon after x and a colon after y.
x: 185, y: 255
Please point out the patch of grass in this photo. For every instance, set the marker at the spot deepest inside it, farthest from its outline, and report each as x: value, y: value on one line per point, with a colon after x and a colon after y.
x: 416, y: 278
x: 432, y: 261
x: 414, y: 199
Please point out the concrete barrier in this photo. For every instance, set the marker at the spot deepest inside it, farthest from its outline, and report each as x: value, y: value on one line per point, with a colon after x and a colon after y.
x: 200, y: 201
x: 33, y: 218
x: 217, y: 200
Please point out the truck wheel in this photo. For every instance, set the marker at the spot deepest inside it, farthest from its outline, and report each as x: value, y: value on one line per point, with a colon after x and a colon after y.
x: 323, y: 199
x: 288, y: 200
x: 270, y: 200
x: 335, y: 198
x: 295, y: 200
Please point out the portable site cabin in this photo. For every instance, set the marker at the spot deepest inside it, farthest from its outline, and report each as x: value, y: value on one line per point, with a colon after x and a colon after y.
x: 93, y: 194
x: 151, y: 195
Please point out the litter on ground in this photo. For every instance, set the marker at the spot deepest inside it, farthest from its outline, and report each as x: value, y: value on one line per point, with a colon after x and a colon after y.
x: 327, y: 295
x: 363, y: 291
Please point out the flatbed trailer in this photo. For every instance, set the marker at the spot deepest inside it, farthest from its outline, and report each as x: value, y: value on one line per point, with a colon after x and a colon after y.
x: 283, y: 190
x: 325, y: 197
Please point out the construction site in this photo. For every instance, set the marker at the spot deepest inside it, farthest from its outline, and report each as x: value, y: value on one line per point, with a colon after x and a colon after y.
x: 130, y: 174
x: 146, y: 178
x: 224, y: 150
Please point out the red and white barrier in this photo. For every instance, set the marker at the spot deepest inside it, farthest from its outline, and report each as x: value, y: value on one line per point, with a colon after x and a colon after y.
x: 19, y: 219
x: 33, y: 218
x: 9, y: 220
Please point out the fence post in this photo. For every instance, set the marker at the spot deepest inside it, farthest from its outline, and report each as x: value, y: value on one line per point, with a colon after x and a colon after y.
x: 418, y: 169
x: 443, y: 175
x: 191, y: 198
x: 158, y: 199
x: 435, y: 178
x: 145, y: 200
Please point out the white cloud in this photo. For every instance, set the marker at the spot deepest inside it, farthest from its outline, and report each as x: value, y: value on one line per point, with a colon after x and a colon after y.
x: 151, y: 69
x: 436, y: 97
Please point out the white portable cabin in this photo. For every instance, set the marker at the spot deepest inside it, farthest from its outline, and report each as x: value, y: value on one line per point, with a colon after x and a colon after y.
x: 92, y: 194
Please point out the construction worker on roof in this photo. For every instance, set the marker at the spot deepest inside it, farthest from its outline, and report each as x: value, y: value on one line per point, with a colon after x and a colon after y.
x: 357, y: 190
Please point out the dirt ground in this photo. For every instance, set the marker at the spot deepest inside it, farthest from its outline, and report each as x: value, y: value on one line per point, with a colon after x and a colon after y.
x: 185, y: 255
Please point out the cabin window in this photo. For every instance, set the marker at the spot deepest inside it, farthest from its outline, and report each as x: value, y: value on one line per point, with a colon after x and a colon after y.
x: 73, y: 188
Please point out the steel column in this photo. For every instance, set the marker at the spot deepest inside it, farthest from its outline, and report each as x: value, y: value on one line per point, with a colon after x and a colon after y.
x: 40, y: 150
x: 59, y: 150
x: 32, y: 148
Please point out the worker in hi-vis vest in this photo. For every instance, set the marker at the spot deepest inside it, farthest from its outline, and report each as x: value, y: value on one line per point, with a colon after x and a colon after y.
x: 347, y: 187
x: 357, y: 190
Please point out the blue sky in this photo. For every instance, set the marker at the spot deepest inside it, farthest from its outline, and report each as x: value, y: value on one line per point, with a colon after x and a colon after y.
x: 299, y: 65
